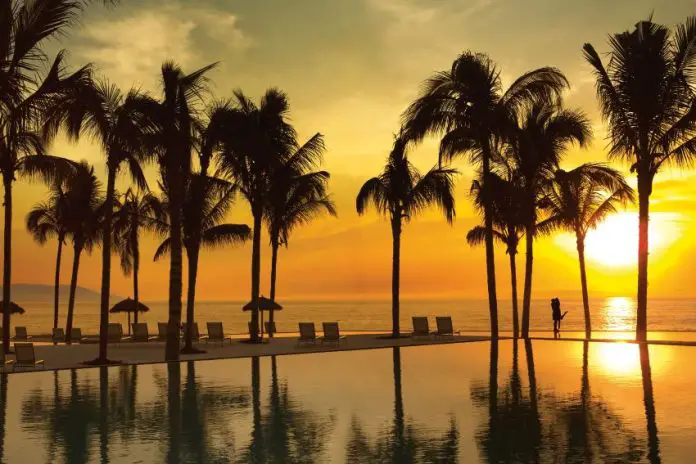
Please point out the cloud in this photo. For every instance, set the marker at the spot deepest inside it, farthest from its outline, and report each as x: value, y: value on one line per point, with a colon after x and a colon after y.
x: 130, y: 49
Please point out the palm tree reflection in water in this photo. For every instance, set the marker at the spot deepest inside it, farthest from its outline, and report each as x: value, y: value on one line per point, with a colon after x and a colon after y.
x: 404, y: 441
x: 545, y: 427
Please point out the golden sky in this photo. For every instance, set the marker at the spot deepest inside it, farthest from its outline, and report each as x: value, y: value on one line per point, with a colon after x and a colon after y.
x: 350, y: 67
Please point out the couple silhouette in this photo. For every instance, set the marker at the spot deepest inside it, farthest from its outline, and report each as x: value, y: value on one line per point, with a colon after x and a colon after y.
x: 557, y: 316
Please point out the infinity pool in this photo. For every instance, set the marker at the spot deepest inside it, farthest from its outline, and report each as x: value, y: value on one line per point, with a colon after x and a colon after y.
x: 543, y: 401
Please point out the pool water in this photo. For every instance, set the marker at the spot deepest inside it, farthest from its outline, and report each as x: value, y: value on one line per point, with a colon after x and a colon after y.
x: 541, y: 401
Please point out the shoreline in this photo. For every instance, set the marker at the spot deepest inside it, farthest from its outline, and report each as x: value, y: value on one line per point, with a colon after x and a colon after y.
x: 63, y: 357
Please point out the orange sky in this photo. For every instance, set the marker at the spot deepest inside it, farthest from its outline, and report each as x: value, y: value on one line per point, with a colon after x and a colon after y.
x: 350, y: 68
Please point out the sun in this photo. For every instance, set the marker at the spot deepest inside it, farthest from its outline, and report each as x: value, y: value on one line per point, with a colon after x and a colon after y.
x: 614, y: 242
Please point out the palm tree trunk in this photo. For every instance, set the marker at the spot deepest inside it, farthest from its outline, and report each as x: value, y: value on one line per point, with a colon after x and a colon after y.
x: 255, y: 275
x: 73, y: 286
x: 528, y: 269
x: 644, y: 190
x: 649, y: 402
x: 400, y: 451
x: 174, y: 412
x: 396, y: 265
x: 513, y: 279
x: 533, y: 398
x: 175, y: 271
x: 274, y: 269
x: 192, y: 256
x: 583, y: 284
x: 136, y: 268
x: 56, y: 290
x: 7, y: 264
x: 490, y: 253
x: 106, y: 265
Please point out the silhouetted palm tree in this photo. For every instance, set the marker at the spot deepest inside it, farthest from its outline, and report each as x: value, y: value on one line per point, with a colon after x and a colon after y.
x: 137, y: 212
x: 25, y: 94
x: 44, y: 221
x: 544, y: 134
x: 296, y: 197
x: 207, y: 201
x: 508, y: 226
x: 578, y: 201
x: 467, y: 104
x: 118, y: 123
x: 401, y: 192
x: 646, y: 93
x: 260, y: 140
x: 83, y: 213
x: 176, y: 120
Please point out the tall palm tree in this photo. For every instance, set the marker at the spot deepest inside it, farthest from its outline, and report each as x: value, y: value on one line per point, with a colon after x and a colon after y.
x: 137, y: 212
x: 468, y: 106
x: 25, y: 93
x: 646, y: 94
x: 401, y: 192
x: 119, y: 124
x: 84, y: 211
x: 45, y: 220
x: 260, y: 139
x: 296, y: 197
x: 578, y: 201
x: 545, y: 133
x: 508, y: 227
x: 203, y: 227
x: 175, y: 117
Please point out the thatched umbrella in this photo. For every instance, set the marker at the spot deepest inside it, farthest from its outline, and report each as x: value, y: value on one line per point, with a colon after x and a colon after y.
x: 14, y: 308
x: 262, y: 304
x: 128, y: 306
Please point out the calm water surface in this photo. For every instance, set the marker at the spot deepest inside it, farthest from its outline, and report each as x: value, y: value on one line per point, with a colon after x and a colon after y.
x: 479, y: 402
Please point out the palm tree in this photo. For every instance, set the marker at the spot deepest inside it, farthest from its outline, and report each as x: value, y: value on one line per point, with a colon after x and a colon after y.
x: 401, y: 192
x: 260, y: 140
x: 646, y: 94
x: 295, y: 198
x: 84, y: 211
x: 207, y: 201
x: 137, y: 212
x: 119, y: 124
x: 176, y: 120
x: 44, y: 221
x: 508, y: 226
x: 24, y: 96
x: 544, y: 134
x: 578, y: 201
x: 468, y: 106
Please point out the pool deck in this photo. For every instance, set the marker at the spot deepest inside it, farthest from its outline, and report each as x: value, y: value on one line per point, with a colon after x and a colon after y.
x: 63, y: 356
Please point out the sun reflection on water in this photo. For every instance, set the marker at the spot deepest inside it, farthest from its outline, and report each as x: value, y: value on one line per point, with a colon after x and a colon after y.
x: 619, y: 359
x: 619, y: 313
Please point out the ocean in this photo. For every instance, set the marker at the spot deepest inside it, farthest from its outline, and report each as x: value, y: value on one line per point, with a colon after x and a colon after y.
x: 608, y: 314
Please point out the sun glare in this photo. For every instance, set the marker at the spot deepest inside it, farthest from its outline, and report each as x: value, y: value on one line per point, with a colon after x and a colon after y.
x: 619, y: 359
x: 615, y: 241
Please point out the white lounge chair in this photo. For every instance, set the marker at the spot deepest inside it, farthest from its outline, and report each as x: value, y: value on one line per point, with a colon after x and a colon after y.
x: 216, y: 334
x: 140, y: 332
x: 115, y: 333
x: 307, y: 333
x: 21, y: 334
x: 25, y: 357
x: 162, y: 331
x: 76, y: 335
x: 331, y: 333
x: 420, y: 327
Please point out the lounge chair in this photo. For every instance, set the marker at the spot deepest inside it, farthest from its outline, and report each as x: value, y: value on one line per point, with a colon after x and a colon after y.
x: 444, y: 327
x: 196, y: 335
x: 331, y: 333
x: 21, y: 334
x: 25, y: 357
x: 140, y: 332
x: 162, y: 331
x: 58, y: 335
x: 270, y: 327
x: 307, y: 333
x: 115, y: 333
x: 76, y: 335
x: 216, y: 334
x: 420, y: 327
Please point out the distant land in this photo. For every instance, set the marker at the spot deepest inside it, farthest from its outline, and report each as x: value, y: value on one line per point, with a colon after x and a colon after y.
x: 39, y: 293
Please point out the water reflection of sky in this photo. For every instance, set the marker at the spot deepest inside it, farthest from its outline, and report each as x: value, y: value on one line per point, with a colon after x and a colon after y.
x: 546, y: 401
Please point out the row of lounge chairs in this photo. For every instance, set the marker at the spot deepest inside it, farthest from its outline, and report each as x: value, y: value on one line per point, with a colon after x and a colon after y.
x: 308, y: 333
x: 444, y: 324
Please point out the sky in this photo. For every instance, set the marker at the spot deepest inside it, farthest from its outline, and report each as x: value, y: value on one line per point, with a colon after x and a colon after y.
x: 350, y: 67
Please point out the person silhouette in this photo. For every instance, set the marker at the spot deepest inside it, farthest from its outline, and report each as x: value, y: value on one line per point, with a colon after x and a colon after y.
x: 556, y: 316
